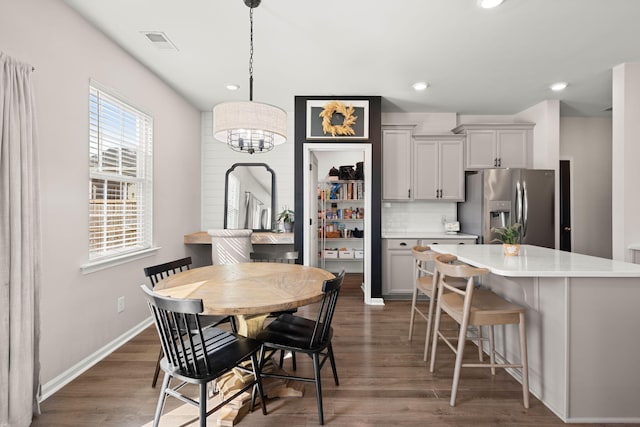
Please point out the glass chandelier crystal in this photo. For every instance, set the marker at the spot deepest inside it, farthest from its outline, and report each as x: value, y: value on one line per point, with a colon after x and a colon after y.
x: 248, y: 126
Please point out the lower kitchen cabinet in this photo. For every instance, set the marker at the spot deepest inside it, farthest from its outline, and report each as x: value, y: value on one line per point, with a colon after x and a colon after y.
x: 397, y: 266
x: 397, y: 263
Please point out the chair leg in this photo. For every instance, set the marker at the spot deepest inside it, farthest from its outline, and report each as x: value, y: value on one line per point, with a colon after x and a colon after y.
x: 436, y: 331
x: 333, y: 364
x: 428, y: 335
x: 480, y: 354
x: 293, y: 360
x: 155, y: 375
x: 258, y: 377
x: 161, y: 399
x: 458, y: 365
x: 413, y: 311
x: 524, y: 358
x: 203, y: 405
x: 492, y: 350
x: 316, y: 371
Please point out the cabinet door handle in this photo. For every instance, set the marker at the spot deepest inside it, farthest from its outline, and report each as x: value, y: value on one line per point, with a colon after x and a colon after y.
x: 409, y: 193
x: 495, y: 162
x: 499, y: 162
x: 403, y: 244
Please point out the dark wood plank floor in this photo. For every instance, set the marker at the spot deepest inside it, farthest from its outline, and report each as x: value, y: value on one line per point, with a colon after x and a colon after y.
x: 383, y: 382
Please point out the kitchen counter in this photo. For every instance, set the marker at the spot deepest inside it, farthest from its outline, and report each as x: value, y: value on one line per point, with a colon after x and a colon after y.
x: 257, y: 238
x: 427, y: 235
x: 582, y: 327
x: 535, y: 261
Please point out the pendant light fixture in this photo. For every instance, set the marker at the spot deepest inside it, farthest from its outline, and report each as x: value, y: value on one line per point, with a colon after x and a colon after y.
x: 248, y: 126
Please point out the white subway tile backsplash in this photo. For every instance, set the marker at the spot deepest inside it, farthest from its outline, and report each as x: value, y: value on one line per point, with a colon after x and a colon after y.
x: 416, y: 217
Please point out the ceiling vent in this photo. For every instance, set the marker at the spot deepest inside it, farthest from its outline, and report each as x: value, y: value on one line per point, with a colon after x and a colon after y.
x: 160, y: 40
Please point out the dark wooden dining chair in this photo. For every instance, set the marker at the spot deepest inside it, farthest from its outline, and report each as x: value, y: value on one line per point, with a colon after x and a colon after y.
x: 312, y: 337
x: 285, y: 257
x: 194, y: 355
x: 155, y: 273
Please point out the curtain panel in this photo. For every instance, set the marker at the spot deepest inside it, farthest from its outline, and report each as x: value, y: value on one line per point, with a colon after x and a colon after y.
x: 20, y: 246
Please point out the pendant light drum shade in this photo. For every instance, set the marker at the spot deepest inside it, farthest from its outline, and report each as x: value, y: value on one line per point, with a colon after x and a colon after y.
x: 249, y: 126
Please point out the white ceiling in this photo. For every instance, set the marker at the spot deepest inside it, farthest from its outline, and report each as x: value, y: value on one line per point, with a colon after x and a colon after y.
x: 477, y: 61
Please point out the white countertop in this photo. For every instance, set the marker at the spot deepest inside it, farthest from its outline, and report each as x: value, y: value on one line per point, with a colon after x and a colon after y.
x: 535, y: 261
x: 427, y: 235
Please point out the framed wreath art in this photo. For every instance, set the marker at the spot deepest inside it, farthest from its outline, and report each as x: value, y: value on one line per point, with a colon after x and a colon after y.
x: 337, y: 119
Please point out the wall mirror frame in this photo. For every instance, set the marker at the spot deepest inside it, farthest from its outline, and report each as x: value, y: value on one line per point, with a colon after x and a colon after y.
x: 249, y: 197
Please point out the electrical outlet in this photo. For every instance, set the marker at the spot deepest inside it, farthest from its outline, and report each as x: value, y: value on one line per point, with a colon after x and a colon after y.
x: 120, y: 304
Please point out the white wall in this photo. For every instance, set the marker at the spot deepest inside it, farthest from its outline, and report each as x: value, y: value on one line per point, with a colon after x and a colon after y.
x: 546, y: 144
x: 78, y: 311
x: 217, y: 158
x: 626, y: 152
x: 586, y: 142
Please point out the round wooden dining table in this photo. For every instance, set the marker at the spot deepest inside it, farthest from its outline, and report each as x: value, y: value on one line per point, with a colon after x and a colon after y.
x: 248, y: 291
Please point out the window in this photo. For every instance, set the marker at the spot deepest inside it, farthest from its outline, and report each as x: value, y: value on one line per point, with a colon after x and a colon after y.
x: 120, y: 176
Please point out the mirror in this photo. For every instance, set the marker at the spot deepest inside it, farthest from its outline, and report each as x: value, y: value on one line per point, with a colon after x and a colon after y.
x: 249, y: 197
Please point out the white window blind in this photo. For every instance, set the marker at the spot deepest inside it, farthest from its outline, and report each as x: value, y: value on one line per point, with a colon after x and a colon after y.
x: 120, y: 176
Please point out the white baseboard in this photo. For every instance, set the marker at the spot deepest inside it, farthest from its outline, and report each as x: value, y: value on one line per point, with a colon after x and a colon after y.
x: 375, y: 301
x: 76, y: 370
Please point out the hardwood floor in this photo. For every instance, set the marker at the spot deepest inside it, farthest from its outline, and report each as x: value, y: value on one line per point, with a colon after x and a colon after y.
x: 383, y: 382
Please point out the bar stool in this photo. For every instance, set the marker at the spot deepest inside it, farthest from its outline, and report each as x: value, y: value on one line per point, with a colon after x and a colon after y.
x: 424, y: 280
x: 479, y: 307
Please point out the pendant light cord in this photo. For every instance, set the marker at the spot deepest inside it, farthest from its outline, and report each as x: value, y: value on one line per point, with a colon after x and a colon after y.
x: 251, y: 55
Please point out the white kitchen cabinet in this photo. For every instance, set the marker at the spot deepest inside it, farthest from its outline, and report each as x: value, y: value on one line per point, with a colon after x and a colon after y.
x: 422, y: 167
x: 497, y: 145
x: 397, y: 266
x: 397, y: 263
x: 438, y: 168
x: 396, y: 163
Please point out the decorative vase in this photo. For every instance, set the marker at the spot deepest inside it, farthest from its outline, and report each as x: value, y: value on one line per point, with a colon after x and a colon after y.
x: 288, y: 227
x: 511, y: 249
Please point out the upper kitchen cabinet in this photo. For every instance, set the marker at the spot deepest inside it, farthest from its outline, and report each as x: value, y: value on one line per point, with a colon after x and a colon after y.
x: 438, y: 172
x: 421, y: 167
x: 497, y: 145
x: 396, y: 163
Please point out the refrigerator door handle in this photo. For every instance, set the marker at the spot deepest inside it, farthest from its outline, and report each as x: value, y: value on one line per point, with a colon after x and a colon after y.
x: 518, y: 203
x: 525, y: 209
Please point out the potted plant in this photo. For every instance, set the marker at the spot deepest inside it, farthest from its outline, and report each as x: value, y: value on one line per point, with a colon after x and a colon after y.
x: 510, y: 238
x: 286, y: 218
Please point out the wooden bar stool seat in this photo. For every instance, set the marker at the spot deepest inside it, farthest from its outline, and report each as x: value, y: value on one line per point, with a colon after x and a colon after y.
x: 478, y: 307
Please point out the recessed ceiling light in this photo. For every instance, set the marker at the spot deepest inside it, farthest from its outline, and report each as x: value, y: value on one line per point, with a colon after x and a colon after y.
x: 489, y: 4
x: 420, y: 85
x: 559, y: 86
x: 232, y: 86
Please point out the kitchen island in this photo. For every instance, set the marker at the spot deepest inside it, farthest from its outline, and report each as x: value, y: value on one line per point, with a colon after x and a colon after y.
x: 583, y: 315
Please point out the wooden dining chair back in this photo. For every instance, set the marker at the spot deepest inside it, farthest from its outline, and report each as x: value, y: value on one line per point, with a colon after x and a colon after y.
x: 479, y: 307
x: 197, y: 355
x: 156, y: 273
x: 312, y: 337
x: 287, y: 257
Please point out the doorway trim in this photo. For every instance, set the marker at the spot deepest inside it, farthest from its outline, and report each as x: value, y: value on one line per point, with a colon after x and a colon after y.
x: 366, y: 150
x: 572, y: 198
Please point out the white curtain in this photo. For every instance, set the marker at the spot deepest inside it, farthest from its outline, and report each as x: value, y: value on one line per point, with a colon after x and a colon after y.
x: 19, y: 247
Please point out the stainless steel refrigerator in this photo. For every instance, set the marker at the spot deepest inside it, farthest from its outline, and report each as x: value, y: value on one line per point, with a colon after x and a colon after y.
x: 498, y: 197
